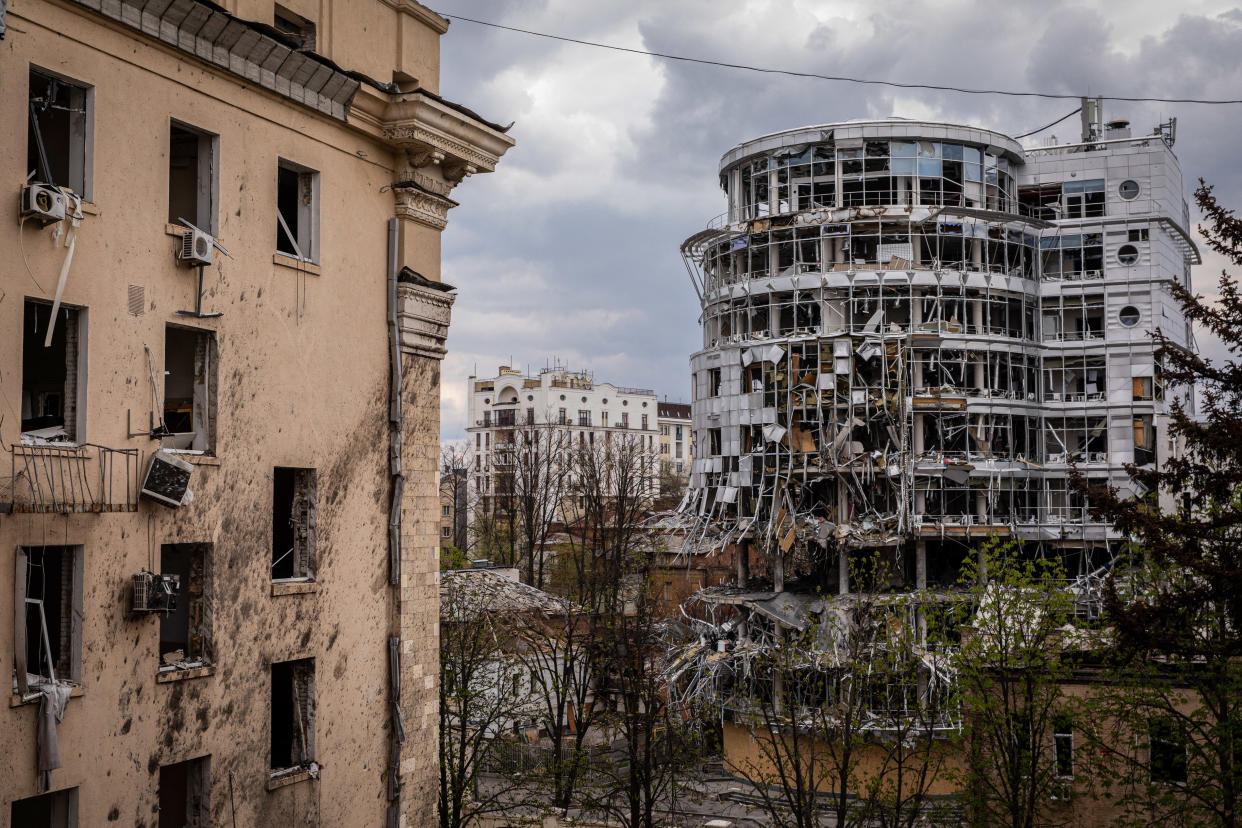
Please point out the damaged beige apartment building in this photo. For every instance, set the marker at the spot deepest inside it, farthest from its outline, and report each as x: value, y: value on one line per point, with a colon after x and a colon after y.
x: 221, y: 326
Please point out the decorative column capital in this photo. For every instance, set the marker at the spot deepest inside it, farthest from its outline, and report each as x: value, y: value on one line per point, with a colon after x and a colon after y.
x: 424, y: 309
x: 422, y: 204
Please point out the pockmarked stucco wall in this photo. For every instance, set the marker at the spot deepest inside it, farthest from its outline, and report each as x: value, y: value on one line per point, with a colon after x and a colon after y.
x: 301, y: 379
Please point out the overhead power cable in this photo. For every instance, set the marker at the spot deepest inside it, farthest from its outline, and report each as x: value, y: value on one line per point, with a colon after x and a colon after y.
x: 1047, y: 126
x: 840, y: 78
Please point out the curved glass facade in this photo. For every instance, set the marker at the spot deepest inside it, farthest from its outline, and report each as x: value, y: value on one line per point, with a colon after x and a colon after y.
x: 871, y: 173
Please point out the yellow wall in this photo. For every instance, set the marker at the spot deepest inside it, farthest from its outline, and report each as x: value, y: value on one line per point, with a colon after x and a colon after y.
x: 744, y: 754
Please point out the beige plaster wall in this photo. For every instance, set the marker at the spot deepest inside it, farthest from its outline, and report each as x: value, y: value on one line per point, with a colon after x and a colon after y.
x: 303, y: 371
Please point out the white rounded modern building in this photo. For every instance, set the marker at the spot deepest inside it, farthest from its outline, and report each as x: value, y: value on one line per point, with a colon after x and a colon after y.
x: 913, y: 330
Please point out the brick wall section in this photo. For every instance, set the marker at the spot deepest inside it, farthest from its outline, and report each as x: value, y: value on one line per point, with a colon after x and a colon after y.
x: 419, y: 603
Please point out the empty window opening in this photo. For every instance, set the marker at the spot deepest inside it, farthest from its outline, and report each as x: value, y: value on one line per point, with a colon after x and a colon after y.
x: 52, y: 374
x: 185, y: 794
x: 58, y: 809
x: 58, y: 132
x: 1167, y: 752
x: 189, y: 389
x: 49, y: 643
x: 192, y: 185
x: 1063, y: 746
x: 293, y: 524
x: 295, y: 27
x: 297, y: 211
x: 293, y: 714
x: 185, y: 633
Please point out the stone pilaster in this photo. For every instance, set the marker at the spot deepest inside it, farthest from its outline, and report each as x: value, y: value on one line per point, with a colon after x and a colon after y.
x: 423, y: 321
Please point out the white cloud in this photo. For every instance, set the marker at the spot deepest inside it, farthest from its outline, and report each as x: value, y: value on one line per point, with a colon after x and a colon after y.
x: 571, y: 248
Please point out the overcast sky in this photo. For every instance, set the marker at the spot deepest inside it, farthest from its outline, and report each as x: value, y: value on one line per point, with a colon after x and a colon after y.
x: 569, y: 250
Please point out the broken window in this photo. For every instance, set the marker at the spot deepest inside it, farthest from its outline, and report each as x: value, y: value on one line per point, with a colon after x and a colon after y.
x: 297, y: 211
x: 293, y: 714
x: 1144, y: 440
x: 53, y: 372
x: 192, y: 183
x: 185, y: 633
x: 1084, y: 199
x: 189, y: 389
x: 295, y: 27
x: 1167, y: 752
x: 293, y: 524
x: 1063, y: 746
x: 49, y: 585
x: 58, y: 809
x: 58, y: 133
x: 185, y: 794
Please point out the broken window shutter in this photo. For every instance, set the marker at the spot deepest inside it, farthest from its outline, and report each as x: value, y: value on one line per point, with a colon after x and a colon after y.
x: 19, y: 620
x: 299, y: 745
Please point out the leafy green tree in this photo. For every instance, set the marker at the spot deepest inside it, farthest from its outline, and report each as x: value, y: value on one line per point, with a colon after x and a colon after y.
x: 1010, y: 673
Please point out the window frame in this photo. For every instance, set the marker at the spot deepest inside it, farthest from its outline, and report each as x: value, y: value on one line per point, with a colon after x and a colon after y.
x: 69, y: 805
x: 87, y: 137
x: 207, y: 177
x: 204, y: 398
x: 307, y: 714
x: 1153, y: 739
x: 303, y: 478
x: 1062, y: 730
x: 306, y: 234
x: 203, y: 654
x: 76, y: 431
x: 76, y: 558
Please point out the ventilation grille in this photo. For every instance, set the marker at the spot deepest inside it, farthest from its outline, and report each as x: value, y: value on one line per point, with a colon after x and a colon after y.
x: 137, y: 300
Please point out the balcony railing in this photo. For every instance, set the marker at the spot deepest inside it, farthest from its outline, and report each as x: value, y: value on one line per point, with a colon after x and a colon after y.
x: 73, y: 479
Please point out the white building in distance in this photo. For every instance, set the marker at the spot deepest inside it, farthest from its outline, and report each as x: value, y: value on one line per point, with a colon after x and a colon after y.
x: 592, y: 413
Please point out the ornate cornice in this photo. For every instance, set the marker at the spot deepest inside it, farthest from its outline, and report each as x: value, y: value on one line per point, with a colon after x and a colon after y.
x: 434, y: 134
x: 423, y: 316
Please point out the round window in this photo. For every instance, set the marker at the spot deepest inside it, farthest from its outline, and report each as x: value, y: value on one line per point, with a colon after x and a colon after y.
x: 644, y: 404
x: 1127, y: 254
x: 562, y: 398
x: 530, y: 397
x: 584, y: 399
x: 1129, y: 316
x: 605, y: 400
x: 487, y: 400
x: 625, y: 402
x: 1128, y: 189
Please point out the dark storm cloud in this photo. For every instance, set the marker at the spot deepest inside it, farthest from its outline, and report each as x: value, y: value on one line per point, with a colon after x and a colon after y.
x: 570, y: 249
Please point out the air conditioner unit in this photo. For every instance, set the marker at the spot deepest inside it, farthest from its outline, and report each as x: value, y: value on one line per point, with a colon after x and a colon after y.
x: 196, y: 247
x: 43, y: 203
x: 168, y: 480
x: 155, y: 593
